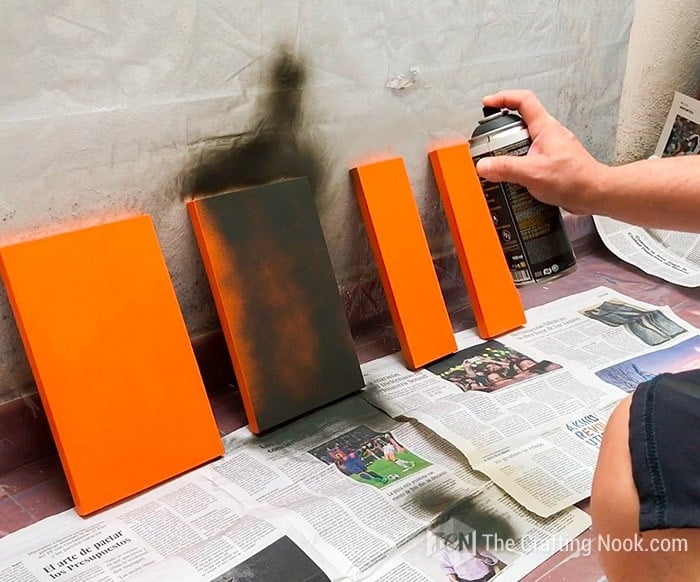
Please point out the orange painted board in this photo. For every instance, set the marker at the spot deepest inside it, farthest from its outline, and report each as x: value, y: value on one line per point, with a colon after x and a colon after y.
x: 112, y: 359
x: 404, y: 261
x: 494, y: 297
x: 278, y: 302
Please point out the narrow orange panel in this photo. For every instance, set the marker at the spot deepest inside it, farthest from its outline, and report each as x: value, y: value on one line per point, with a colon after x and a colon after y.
x: 493, y: 294
x: 112, y: 359
x: 404, y: 261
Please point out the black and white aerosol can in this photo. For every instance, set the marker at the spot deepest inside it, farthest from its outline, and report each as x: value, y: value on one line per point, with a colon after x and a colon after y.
x: 532, y: 233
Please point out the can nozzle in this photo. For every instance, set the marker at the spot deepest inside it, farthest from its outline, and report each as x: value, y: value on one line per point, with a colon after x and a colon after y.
x: 488, y: 111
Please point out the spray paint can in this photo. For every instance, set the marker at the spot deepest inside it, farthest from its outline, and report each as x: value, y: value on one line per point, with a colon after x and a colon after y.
x: 532, y: 233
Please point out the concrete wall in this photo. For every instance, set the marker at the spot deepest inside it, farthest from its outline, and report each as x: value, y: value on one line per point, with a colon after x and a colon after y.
x: 663, y: 57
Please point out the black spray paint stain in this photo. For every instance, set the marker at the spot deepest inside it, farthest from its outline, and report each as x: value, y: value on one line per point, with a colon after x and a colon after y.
x: 461, y: 519
x: 272, y: 150
x: 464, y: 517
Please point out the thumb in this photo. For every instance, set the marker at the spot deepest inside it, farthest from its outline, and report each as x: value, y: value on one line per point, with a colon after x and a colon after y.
x: 503, y: 169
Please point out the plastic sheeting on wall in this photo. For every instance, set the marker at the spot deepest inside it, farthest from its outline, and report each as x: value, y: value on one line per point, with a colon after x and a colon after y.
x: 105, y: 103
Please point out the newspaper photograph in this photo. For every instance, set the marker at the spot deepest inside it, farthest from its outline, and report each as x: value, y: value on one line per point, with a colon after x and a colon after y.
x: 680, y: 135
x: 674, y: 256
x: 344, y: 494
x: 529, y: 410
x: 628, y: 374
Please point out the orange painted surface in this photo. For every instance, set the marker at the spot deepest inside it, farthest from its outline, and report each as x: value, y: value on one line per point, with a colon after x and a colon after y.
x: 220, y: 269
x: 112, y: 359
x: 404, y: 262
x: 494, y: 297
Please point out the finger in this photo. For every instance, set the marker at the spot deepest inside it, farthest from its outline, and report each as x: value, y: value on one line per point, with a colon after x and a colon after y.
x: 525, y: 102
x: 505, y: 169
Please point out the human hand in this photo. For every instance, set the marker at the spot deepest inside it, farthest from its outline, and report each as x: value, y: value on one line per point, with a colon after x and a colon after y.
x: 557, y: 169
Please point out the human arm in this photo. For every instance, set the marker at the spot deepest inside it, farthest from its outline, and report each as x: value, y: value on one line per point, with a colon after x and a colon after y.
x: 468, y: 370
x: 662, y: 193
x: 487, y: 557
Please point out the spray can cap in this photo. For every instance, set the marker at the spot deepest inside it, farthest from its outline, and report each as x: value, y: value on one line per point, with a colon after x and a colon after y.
x: 496, y: 119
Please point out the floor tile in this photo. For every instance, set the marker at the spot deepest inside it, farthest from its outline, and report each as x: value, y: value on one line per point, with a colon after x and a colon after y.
x: 12, y: 517
x: 24, y: 433
x: 31, y: 475
x: 228, y: 411
x: 48, y: 498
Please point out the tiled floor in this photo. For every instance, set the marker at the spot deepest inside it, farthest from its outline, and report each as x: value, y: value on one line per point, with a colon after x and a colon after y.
x: 38, y: 488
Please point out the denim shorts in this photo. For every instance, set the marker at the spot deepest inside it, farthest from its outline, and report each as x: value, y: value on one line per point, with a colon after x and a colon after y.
x: 664, y: 441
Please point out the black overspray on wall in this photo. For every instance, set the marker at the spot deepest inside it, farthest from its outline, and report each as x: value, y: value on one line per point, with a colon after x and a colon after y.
x: 273, y: 149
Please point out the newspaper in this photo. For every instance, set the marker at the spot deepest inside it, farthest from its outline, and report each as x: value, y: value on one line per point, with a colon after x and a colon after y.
x: 671, y: 255
x: 344, y: 494
x: 529, y: 409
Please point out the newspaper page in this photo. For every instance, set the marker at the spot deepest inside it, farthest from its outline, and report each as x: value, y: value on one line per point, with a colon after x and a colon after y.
x: 191, y: 520
x: 360, y: 486
x: 621, y: 340
x: 671, y: 255
x: 343, y: 494
x: 529, y: 409
x: 521, y: 430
